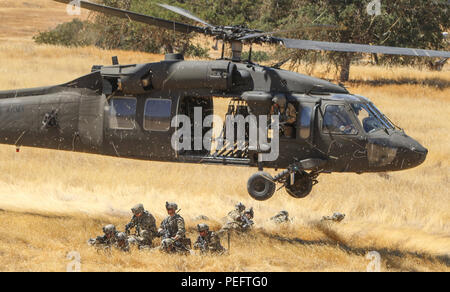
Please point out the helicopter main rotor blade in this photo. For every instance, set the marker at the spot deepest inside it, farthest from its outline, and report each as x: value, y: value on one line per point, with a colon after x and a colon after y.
x: 357, y: 48
x: 155, y: 21
x: 307, y: 27
x: 185, y: 13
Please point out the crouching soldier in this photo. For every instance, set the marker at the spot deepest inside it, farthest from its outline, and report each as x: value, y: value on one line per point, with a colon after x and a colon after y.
x: 336, y: 217
x: 145, y: 227
x: 106, y: 241
x: 208, y: 241
x: 281, y: 217
x: 173, y: 232
x: 239, y: 220
x: 234, y: 218
x: 238, y: 211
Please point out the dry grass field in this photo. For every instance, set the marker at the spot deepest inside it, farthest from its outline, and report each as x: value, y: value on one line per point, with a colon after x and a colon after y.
x: 52, y: 202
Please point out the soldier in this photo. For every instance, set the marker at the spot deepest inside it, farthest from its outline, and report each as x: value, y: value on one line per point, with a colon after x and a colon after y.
x: 145, y: 226
x: 281, y: 217
x: 337, y: 217
x: 247, y: 219
x: 208, y: 241
x: 238, y: 220
x: 173, y: 232
x: 108, y: 240
x: 287, y: 114
x: 237, y: 213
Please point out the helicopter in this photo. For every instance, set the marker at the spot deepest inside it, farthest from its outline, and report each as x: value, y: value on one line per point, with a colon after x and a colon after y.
x: 131, y: 111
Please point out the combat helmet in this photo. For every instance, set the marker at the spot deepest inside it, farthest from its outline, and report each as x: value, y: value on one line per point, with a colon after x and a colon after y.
x: 122, y: 236
x: 139, y: 208
x: 171, y: 206
x: 280, y: 100
x: 202, y: 227
x: 284, y: 213
x: 240, y: 207
x: 109, y: 229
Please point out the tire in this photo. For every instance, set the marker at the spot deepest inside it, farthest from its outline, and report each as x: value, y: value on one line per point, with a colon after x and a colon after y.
x: 302, y: 186
x: 261, y: 186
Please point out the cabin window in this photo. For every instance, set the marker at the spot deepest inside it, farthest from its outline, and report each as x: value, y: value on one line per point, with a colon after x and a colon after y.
x: 305, y: 122
x: 336, y: 120
x: 157, y: 114
x: 122, y: 115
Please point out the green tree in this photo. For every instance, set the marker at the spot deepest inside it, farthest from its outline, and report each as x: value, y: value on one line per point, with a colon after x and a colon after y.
x: 402, y: 23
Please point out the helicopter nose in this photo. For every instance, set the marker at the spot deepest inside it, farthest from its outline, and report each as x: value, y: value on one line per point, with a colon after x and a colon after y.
x: 419, y: 153
x: 411, y: 154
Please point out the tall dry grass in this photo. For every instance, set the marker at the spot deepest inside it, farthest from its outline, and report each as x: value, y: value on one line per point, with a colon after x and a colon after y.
x: 51, y: 202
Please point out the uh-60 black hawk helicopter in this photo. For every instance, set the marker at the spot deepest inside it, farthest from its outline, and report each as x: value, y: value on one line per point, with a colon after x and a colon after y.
x: 126, y: 111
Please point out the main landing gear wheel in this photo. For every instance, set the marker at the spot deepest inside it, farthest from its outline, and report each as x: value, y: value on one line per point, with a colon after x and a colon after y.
x: 261, y: 186
x: 302, y: 185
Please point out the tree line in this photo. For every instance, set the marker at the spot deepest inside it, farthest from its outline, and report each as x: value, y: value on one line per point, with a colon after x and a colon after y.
x: 402, y: 23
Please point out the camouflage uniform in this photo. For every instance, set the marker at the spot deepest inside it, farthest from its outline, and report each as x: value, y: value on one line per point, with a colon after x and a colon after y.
x: 145, y: 226
x: 108, y: 240
x: 122, y: 242
x: 238, y: 220
x: 173, y: 232
x: 210, y: 243
x: 337, y: 217
x: 281, y: 217
x: 238, y: 211
x: 287, y: 114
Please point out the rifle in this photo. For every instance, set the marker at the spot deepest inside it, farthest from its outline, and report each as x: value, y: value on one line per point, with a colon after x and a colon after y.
x: 131, y: 225
x: 202, y: 244
x: 247, y: 222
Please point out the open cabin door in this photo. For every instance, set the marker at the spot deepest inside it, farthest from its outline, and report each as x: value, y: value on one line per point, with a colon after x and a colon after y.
x: 207, y: 139
x: 193, y: 126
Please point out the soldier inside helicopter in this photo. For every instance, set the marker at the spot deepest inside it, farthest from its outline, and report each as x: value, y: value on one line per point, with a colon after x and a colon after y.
x: 287, y: 115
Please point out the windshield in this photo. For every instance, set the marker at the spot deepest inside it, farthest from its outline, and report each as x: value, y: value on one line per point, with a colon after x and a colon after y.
x: 370, y: 117
x: 386, y: 121
x: 337, y: 121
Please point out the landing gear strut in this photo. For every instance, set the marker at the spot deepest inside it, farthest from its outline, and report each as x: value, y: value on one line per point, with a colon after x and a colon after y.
x: 301, y: 186
x: 298, y: 183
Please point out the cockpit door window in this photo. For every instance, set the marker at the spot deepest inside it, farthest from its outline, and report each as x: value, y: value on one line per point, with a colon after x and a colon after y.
x: 305, y: 121
x: 122, y: 115
x: 337, y: 120
x: 157, y: 114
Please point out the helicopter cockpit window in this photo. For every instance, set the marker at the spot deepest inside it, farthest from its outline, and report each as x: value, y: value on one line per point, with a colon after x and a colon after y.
x: 122, y: 115
x: 382, y: 117
x: 336, y: 120
x: 305, y: 122
x: 368, y: 119
x: 157, y: 114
